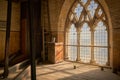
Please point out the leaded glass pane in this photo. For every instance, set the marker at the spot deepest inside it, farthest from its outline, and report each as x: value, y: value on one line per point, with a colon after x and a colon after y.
x: 100, y: 35
x: 101, y: 55
x: 78, y: 10
x: 72, y: 50
x: 72, y: 35
x: 92, y: 7
x: 85, y: 54
x: 85, y: 35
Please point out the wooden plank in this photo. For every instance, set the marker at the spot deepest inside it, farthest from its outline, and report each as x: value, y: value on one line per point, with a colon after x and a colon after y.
x: 6, y: 66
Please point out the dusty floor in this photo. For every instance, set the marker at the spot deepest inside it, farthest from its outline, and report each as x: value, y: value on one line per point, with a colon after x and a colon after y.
x: 65, y: 71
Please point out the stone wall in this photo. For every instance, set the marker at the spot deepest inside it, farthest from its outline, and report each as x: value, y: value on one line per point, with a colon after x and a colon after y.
x: 54, y: 12
x: 114, y: 8
x: 15, y: 28
x: 58, y: 14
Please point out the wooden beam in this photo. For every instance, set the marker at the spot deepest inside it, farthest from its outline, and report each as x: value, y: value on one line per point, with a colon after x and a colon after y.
x: 14, y: 0
x: 32, y: 38
x: 6, y: 59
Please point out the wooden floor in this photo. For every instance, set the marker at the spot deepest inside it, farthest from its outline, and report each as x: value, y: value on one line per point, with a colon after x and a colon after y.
x: 66, y: 71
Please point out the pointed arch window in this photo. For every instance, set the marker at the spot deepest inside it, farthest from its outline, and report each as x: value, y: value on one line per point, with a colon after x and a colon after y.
x: 85, y: 42
x: 72, y: 42
x: 88, y: 34
x: 100, y: 40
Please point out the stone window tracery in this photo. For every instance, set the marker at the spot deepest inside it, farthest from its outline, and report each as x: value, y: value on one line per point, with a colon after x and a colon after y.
x: 87, y: 39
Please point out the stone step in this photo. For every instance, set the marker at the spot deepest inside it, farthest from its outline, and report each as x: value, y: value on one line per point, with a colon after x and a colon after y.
x: 24, y: 74
x: 16, y: 69
x: 19, y: 66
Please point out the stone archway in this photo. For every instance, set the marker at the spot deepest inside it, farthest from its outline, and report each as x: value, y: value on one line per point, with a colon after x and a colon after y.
x: 63, y: 21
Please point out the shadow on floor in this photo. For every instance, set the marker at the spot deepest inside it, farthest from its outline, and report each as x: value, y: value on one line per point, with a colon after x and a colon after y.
x: 66, y: 71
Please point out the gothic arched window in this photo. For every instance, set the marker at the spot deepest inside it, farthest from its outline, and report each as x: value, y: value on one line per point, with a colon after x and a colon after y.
x: 87, y: 39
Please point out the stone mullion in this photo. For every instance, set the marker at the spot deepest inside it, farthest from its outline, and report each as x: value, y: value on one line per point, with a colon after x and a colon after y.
x: 66, y: 47
x: 92, y: 48
x: 78, y: 45
x: 108, y: 47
